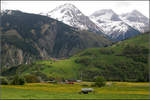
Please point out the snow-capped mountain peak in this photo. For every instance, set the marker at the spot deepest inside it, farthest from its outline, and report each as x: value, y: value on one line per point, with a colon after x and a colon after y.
x: 112, y: 25
x: 105, y: 15
x: 136, y: 12
x: 137, y: 20
x: 68, y: 5
x: 66, y: 8
x: 8, y: 12
x: 71, y: 15
x: 134, y: 16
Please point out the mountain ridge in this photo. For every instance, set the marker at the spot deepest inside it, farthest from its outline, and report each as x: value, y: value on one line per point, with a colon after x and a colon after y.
x: 137, y: 20
x: 27, y: 37
x: 109, y: 23
x: 112, y: 25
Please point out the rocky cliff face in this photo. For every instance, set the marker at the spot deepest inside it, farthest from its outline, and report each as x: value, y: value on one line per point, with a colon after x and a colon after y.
x: 28, y: 37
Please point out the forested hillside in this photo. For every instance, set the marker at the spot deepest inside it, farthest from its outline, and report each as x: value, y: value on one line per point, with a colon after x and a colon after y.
x: 124, y: 61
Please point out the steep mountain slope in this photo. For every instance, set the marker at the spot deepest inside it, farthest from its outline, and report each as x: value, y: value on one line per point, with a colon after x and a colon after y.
x: 28, y: 37
x: 72, y: 16
x: 136, y: 20
x: 123, y: 61
x: 112, y: 25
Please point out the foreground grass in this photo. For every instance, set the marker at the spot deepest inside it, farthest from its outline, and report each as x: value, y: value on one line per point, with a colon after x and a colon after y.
x: 117, y: 90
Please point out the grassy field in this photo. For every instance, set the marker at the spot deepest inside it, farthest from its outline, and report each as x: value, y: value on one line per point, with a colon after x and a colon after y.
x: 114, y: 90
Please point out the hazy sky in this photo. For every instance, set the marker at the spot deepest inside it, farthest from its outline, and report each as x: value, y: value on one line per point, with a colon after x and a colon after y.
x: 87, y: 7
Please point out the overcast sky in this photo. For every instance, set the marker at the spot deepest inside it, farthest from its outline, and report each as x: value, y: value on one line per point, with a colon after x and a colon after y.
x: 87, y: 7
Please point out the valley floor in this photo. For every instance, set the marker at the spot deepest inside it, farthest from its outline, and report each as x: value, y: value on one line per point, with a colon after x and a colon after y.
x: 113, y: 90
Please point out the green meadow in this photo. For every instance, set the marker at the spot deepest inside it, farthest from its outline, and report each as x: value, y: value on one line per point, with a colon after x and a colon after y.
x: 114, y: 90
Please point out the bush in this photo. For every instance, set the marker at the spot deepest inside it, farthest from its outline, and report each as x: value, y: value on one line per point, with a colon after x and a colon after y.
x: 17, y: 80
x: 89, y: 73
x: 136, y: 52
x: 85, y: 85
x: 4, y: 81
x: 40, y: 75
x: 32, y: 79
x: 87, y: 53
x: 106, y: 51
x: 99, y: 81
x: 84, y: 60
x: 51, y: 78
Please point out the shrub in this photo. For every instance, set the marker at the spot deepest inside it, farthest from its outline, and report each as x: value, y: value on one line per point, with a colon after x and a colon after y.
x: 87, y: 53
x: 136, y: 52
x: 89, y: 73
x: 106, y: 51
x: 32, y: 79
x: 99, y: 81
x: 51, y: 78
x: 85, y: 85
x: 84, y: 60
x: 4, y: 81
x: 17, y: 80
x: 41, y: 75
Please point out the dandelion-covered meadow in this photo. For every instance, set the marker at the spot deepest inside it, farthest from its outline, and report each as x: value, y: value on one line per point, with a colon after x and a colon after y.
x: 114, y: 90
